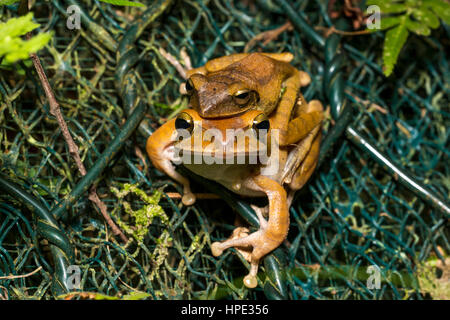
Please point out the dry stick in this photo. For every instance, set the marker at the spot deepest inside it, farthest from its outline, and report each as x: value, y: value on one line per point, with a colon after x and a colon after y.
x: 73, y: 148
x: 204, y: 196
x: 268, y: 36
x: 21, y: 276
x: 4, y: 294
x: 174, y: 62
x: 331, y: 30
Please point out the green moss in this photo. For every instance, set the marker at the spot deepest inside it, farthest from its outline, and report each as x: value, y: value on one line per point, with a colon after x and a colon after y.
x: 434, y: 278
x: 12, y: 46
x: 141, y: 218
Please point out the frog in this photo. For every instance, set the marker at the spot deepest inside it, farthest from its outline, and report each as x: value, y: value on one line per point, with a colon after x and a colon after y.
x: 255, y: 95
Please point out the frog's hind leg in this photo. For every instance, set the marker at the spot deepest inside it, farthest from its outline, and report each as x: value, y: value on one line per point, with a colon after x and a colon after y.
x: 308, y: 119
x: 271, y: 233
x: 305, y: 126
x: 287, y: 106
x: 298, y: 156
x: 305, y: 170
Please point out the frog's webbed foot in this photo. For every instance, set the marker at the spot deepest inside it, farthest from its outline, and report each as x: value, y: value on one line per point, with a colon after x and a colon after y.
x: 261, y: 213
x: 247, y: 245
x: 242, y: 232
x: 270, y: 234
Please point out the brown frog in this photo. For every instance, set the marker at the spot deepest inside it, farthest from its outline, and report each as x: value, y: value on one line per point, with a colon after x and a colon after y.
x: 255, y: 96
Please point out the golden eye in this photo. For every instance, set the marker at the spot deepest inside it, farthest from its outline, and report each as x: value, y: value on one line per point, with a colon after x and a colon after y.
x: 189, y: 85
x: 261, y: 122
x: 242, y: 97
x: 184, y: 121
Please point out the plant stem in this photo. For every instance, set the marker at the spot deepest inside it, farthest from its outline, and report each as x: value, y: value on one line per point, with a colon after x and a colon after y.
x: 55, y: 110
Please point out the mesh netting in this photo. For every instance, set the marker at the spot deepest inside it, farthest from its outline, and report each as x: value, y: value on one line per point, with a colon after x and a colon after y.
x: 107, y: 76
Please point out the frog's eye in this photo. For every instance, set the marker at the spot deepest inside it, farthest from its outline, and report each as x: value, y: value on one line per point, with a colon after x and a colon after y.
x: 242, y: 97
x: 261, y: 122
x: 189, y: 85
x: 184, y: 121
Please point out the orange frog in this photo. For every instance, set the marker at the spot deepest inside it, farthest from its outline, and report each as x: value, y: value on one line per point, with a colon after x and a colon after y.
x: 251, y: 130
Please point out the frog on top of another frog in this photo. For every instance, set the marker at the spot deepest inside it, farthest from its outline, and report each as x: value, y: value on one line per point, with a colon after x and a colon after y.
x: 257, y: 94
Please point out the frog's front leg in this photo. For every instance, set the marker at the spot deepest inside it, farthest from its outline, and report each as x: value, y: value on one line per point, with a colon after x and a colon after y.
x: 286, y: 106
x: 293, y: 130
x: 270, y: 234
x: 161, y: 151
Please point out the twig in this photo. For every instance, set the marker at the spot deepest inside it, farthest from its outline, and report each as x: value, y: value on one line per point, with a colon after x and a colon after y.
x: 186, y: 58
x: 73, y: 148
x: 368, y: 104
x: 173, y: 61
x: 21, y: 276
x: 176, y: 195
x: 350, y: 10
x: 332, y: 30
x: 140, y: 155
x: 4, y: 295
x: 268, y: 36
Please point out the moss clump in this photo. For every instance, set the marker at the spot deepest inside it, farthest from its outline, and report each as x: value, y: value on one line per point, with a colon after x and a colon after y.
x: 434, y: 278
x: 142, y: 217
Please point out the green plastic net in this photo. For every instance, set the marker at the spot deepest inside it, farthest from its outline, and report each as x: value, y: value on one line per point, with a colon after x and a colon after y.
x: 355, y: 219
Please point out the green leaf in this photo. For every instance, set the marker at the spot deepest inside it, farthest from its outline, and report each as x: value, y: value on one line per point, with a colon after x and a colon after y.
x: 440, y: 7
x: 419, y: 16
x: 426, y: 16
x: 7, y: 2
x: 389, y: 22
x: 393, y: 43
x: 418, y: 28
x: 124, y: 3
x: 388, y: 7
x: 136, y: 296
x: 12, y: 46
x: 15, y: 27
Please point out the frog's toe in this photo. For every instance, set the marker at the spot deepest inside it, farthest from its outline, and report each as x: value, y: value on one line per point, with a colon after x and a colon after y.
x: 188, y: 199
x: 240, y: 232
x: 250, y: 281
x: 216, y: 249
x: 305, y: 78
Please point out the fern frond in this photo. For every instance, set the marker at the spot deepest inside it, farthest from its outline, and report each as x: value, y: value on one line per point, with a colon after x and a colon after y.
x: 393, y: 44
x: 402, y: 17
